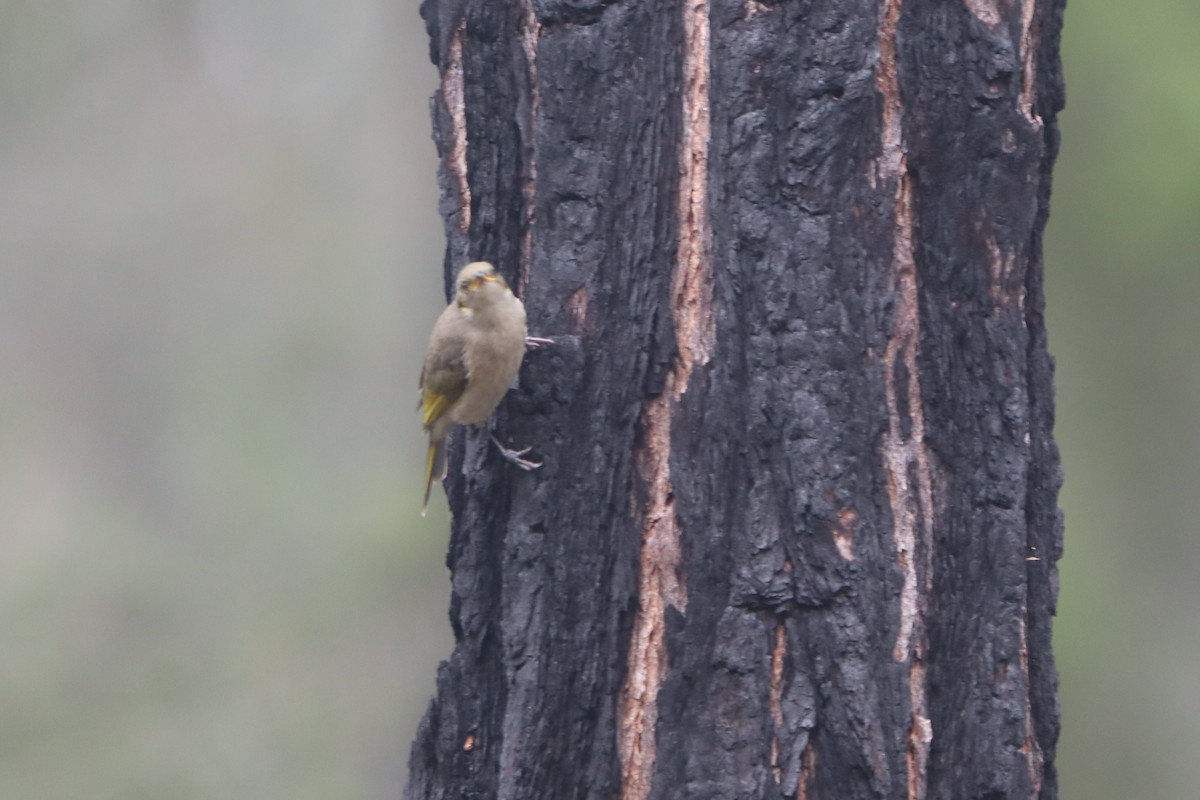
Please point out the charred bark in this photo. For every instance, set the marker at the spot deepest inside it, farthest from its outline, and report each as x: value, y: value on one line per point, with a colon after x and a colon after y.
x: 796, y: 533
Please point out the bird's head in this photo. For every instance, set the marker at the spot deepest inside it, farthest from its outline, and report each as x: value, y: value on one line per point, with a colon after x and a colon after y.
x: 479, y: 284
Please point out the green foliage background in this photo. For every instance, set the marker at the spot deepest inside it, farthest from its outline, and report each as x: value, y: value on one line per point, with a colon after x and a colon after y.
x: 219, y: 257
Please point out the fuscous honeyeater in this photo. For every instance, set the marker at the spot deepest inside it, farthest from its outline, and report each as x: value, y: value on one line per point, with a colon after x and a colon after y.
x: 473, y: 356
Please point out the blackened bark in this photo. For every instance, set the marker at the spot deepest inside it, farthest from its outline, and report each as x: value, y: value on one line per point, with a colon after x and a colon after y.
x: 796, y: 531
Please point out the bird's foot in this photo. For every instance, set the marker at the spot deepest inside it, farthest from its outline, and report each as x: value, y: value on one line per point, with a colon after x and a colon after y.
x: 534, y: 342
x: 514, y: 456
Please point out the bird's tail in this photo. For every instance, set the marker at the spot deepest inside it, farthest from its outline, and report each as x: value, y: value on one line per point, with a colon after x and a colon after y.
x: 435, y: 468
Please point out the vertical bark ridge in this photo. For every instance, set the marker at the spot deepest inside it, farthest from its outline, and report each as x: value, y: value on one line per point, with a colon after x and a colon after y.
x: 1043, y: 520
x: 691, y: 309
x: 976, y: 131
x: 530, y: 31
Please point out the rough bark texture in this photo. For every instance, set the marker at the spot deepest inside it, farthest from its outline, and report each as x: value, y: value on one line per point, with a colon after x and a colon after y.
x: 796, y: 532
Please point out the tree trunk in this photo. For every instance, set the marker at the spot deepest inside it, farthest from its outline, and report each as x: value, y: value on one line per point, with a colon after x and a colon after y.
x: 796, y: 532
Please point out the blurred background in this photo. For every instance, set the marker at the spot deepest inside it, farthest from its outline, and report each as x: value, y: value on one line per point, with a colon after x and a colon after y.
x: 219, y: 259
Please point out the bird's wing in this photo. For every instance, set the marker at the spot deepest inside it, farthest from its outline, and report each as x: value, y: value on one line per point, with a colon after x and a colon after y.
x: 443, y: 380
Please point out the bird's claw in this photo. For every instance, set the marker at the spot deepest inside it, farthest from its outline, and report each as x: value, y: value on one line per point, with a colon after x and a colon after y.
x: 514, y: 456
x: 534, y: 342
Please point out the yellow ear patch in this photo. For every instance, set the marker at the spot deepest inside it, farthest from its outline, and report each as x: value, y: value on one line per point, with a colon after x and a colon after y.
x: 478, y: 280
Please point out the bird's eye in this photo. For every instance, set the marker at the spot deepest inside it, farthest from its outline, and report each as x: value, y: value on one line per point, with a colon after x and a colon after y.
x: 475, y: 283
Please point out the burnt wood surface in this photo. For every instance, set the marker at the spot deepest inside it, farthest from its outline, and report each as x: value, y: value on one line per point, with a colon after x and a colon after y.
x: 796, y: 531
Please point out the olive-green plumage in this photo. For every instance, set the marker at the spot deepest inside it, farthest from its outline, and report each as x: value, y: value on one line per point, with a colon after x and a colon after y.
x: 474, y: 353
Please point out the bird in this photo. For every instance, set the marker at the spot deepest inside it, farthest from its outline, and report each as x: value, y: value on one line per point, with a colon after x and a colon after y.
x: 474, y: 353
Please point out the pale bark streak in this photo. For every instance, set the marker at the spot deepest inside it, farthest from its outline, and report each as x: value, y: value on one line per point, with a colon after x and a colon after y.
x: 692, y: 283
x: 985, y: 11
x: 904, y: 453
x: 658, y: 587
x: 777, y: 656
x: 808, y: 767
x: 1028, y: 97
x: 1030, y: 747
x: 843, y: 533
x: 453, y: 94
